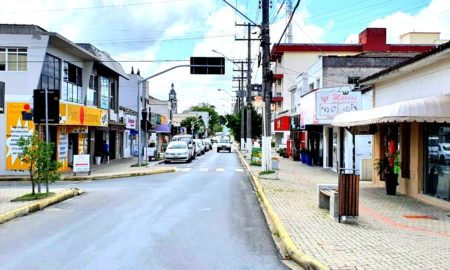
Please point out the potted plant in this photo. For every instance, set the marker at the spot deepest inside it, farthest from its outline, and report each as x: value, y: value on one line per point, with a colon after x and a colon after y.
x: 385, y: 168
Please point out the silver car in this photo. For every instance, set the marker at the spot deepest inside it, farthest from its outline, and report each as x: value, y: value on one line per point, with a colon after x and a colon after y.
x: 177, y: 151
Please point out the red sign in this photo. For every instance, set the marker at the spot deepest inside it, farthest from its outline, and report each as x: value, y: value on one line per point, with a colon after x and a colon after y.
x: 282, y: 123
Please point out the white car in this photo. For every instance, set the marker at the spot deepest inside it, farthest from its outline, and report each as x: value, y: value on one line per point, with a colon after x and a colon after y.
x: 177, y: 151
x: 201, y: 146
x: 444, y: 152
x: 224, y: 144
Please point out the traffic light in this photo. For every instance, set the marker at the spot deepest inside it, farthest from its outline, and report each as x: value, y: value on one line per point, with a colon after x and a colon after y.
x: 208, y: 65
x: 52, y: 105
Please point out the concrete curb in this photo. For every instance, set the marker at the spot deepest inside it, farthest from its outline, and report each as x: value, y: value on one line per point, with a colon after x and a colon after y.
x: 297, y: 256
x: 40, y: 204
x: 120, y: 175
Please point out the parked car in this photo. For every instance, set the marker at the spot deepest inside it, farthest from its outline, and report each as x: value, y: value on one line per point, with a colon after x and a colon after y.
x: 177, y: 151
x: 151, y: 151
x: 444, y: 152
x: 215, y: 139
x: 190, y: 141
x: 208, y: 144
x: 224, y: 144
x: 201, y: 149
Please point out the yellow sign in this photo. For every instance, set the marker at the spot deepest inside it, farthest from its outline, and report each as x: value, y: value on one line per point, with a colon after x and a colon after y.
x: 163, y: 119
x: 72, y: 114
x: 17, y: 126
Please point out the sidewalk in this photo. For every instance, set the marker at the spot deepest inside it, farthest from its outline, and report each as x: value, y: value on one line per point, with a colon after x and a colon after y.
x: 380, y: 238
x: 14, y: 186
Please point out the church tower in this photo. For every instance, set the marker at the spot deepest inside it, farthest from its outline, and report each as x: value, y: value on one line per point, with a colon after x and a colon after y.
x: 173, y: 100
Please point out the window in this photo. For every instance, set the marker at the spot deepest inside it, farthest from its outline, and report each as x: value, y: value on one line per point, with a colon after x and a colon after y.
x: 51, y: 73
x: 72, y: 83
x: 92, y: 95
x: 104, y: 92
x: 13, y: 59
x: 353, y: 80
x: 311, y: 87
x: 112, y: 97
x: 437, y: 161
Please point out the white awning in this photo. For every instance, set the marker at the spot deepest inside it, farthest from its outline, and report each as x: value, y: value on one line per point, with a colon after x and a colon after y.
x: 429, y: 109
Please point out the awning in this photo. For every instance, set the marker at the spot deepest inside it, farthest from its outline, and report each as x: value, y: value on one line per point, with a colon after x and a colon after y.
x: 429, y: 109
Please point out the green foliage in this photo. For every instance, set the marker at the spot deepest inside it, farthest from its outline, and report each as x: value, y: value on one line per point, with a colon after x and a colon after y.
x: 198, y: 125
x: 213, y: 115
x: 32, y: 197
x: 266, y: 172
x: 234, y: 124
x: 38, y: 155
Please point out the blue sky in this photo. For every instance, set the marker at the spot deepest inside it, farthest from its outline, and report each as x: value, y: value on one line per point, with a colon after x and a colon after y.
x: 153, y: 35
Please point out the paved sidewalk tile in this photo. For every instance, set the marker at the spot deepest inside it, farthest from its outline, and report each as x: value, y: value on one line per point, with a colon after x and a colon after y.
x: 380, y: 238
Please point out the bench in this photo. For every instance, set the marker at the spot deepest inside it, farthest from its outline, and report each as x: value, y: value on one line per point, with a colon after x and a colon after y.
x: 328, y: 198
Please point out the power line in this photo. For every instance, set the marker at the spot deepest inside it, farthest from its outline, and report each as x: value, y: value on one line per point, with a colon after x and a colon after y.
x: 290, y: 19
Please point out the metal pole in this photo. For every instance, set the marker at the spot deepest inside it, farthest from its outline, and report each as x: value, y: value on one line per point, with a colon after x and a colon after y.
x: 249, y: 96
x: 46, y: 131
x: 241, y: 91
x: 267, y: 85
x: 138, y: 126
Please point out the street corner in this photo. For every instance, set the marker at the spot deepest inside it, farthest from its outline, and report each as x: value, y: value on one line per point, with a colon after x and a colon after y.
x: 40, y: 204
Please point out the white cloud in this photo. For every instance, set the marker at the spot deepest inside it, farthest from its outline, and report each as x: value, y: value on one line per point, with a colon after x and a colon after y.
x: 433, y: 18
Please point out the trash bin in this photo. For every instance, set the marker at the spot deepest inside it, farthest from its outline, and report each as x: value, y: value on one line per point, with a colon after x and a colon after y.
x: 275, y: 163
x: 98, y: 160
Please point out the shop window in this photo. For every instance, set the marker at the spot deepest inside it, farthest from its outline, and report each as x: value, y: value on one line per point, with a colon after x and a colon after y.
x: 437, y: 158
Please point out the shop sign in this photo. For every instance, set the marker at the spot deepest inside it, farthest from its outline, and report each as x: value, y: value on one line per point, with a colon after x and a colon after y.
x: 16, y: 128
x: 72, y: 114
x: 295, y: 122
x: 282, y: 123
x: 63, y: 146
x: 77, y: 130
x: 130, y: 121
x: 81, y: 163
x: 331, y: 103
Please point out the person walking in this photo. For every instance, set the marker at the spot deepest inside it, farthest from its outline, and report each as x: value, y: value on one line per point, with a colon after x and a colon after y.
x: 106, y: 151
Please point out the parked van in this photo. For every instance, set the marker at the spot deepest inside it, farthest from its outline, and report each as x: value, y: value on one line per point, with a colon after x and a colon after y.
x: 189, y: 140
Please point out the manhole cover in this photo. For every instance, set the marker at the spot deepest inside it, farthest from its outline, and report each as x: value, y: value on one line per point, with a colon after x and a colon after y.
x: 419, y: 217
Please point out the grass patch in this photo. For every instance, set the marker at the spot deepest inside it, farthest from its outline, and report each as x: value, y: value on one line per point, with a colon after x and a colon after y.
x: 32, y: 197
x: 137, y: 165
x: 266, y: 172
x: 276, y: 233
x: 253, y: 163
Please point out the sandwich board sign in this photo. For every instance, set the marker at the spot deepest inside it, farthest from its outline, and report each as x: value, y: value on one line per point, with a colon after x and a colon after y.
x: 81, y: 163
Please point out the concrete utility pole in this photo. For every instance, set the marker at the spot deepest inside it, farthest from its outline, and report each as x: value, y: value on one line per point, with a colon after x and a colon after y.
x: 249, y: 94
x: 267, y: 88
x: 242, y: 108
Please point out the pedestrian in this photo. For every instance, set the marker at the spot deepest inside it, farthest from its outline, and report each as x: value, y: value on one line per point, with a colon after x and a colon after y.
x: 106, y: 151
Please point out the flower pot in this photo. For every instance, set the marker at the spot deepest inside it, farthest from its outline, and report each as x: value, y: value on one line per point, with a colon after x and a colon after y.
x: 98, y: 160
x: 391, y: 182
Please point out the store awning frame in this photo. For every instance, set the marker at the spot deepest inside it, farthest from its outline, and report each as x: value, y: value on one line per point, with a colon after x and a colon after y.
x: 435, y: 109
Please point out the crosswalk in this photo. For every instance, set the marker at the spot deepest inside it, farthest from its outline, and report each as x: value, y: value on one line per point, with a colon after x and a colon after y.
x: 209, y: 169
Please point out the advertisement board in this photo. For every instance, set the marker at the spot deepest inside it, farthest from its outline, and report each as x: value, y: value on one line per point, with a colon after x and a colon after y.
x: 81, y: 163
x: 331, y: 103
x: 17, y: 127
x: 72, y: 114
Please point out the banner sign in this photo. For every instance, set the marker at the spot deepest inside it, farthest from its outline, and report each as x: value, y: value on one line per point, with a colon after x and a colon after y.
x: 331, y: 103
x: 17, y: 127
x: 130, y: 121
x: 72, y: 114
x: 81, y: 163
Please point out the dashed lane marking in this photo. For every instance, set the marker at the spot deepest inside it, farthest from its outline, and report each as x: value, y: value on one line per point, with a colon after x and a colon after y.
x: 203, y: 169
x: 239, y: 170
x: 219, y: 170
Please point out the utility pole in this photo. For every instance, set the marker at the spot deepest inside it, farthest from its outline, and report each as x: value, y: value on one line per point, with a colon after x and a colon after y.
x: 249, y: 95
x: 267, y: 88
x: 241, y: 91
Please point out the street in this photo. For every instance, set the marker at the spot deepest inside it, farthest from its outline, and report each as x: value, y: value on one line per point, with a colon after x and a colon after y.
x: 205, y: 216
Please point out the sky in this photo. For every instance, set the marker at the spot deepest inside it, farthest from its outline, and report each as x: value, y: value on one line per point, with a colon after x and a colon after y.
x: 154, y: 35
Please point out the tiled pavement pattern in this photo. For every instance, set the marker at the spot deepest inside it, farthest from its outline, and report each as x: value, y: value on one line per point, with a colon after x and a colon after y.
x: 380, y: 238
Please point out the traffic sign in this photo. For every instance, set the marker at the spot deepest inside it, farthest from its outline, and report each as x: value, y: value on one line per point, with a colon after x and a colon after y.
x: 208, y: 65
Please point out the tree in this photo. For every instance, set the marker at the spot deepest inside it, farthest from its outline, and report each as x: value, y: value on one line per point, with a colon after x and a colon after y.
x: 213, y: 115
x: 194, y: 123
x: 38, y: 154
x: 234, y: 124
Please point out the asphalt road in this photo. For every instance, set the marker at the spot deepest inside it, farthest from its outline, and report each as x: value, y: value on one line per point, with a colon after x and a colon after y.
x: 205, y: 216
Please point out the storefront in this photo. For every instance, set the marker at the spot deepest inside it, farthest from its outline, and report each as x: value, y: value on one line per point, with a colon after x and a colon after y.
x: 81, y: 131
x: 130, y: 136
x: 281, y: 129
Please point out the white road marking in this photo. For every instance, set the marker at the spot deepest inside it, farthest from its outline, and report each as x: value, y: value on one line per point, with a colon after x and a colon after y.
x: 203, y: 169
x: 239, y: 170
x: 205, y: 209
x: 219, y: 170
x: 186, y: 169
